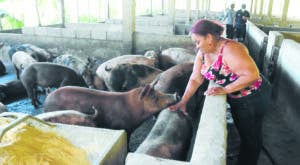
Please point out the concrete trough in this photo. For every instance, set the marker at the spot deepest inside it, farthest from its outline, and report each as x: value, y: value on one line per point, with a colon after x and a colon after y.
x: 283, y: 121
x: 103, y: 146
x: 270, y: 58
x: 275, y: 39
x: 256, y: 41
x: 211, y: 138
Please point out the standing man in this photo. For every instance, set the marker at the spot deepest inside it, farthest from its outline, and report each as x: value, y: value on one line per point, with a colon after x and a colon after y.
x: 229, y: 20
x: 241, y: 17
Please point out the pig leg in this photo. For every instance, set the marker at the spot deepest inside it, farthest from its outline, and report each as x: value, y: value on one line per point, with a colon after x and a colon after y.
x: 35, y: 97
x: 29, y: 91
x: 30, y: 96
x: 17, y: 72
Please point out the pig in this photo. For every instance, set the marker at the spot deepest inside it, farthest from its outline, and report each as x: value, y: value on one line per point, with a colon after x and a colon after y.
x: 103, y: 71
x: 90, y: 76
x: 69, y: 117
x: 12, y: 90
x: 41, y: 54
x: 2, y: 68
x: 48, y: 75
x: 13, y: 49
x: 37, y: 53
x: 116, y: 110
x: 124, y: 77
x: 72, y: 62
x: 175, y: 78
x: 170, y: 136
x: 173, y: 56
x: 21, y: 60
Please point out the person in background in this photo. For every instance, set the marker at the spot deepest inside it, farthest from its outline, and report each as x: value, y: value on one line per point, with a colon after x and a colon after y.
x: 241, y: 18
x: 228, y: 63
x: 229, y: 20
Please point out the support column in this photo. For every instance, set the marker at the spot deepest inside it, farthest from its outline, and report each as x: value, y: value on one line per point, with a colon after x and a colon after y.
x: 270, y: 8
x: 77, y: 11
x: 203, y: 5
x: 261, y: 7
x: 208, y: 5
x: 171, y: 14
x: 0, y: 23
x: 162, y: 7
x: 108, y: 9
x: 38, y: 13
x: 63, y: 20
x: 151, y: 8
x: 285, y: 10
x: 198, y: 9
x: 254, y: 7
x: 128, y: 26
x: 188, y: 12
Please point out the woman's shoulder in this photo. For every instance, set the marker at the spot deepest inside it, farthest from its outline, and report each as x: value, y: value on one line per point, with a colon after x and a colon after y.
x: 234, y: 48
x: 231, y: 44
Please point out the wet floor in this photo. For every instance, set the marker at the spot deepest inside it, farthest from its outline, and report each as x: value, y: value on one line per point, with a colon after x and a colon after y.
x: 23, y: 105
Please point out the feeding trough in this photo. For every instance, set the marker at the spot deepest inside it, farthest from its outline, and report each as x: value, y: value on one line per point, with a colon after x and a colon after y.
x: 102, y: 146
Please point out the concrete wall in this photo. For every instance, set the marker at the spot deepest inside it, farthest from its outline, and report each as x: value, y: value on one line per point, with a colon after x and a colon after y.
x: 281, y: 125
x: 291, y: 35
x: 270, y: 58
x: 154, y: 25
x: 103, y: 40
x: 211, y: 140
x: 256, y: 41
x: 210, y: 143
x: 275, y: 39
x: 181, y: 15
x: 267, y: 29
x: 144, y: 41
x: 82, y: 47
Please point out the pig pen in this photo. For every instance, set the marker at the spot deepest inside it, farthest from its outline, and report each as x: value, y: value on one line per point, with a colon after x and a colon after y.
x: 23, y: 105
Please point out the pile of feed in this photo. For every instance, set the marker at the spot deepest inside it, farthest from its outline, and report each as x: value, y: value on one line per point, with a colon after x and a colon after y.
x: 28, y: 145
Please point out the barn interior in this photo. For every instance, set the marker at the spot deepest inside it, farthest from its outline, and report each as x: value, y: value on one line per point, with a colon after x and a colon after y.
x: 97, y: 31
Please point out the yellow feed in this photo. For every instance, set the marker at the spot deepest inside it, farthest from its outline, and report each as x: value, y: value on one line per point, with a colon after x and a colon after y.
x: 27, y: 145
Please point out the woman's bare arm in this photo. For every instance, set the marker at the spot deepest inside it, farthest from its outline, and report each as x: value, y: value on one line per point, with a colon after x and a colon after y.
x: 195, y: 81
x: 236, y: 56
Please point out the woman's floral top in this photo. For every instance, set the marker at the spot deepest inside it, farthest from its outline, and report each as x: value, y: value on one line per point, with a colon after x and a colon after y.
x: 222, y: 75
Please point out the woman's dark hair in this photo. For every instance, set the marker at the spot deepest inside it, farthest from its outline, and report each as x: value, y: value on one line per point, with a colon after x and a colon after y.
x: 204, y: 27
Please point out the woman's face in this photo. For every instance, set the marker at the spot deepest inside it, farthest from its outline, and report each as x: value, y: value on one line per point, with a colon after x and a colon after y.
x: 200, y: 42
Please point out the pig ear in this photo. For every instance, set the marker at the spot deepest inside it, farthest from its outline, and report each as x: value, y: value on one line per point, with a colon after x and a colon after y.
x: 145, y: 91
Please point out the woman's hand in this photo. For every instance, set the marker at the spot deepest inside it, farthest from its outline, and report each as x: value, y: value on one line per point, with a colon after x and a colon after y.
x: 179, y: 106
x: 215, y: 91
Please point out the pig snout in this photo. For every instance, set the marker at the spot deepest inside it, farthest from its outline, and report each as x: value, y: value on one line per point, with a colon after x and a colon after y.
x: 174, y: 98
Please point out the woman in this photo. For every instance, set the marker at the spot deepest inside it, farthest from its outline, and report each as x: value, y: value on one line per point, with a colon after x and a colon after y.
x: 229, y: 64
